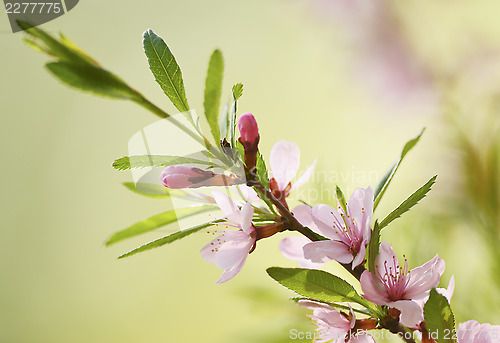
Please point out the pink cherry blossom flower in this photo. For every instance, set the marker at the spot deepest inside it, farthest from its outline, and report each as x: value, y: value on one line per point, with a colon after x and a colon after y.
x: 334, y: 326
x: 284, y: 161
x: 293, y: 247
x: 230, y: 249
x: 181, y: 176
x: 347, y: 233
x: 401, y: 288
x: 473, y: 332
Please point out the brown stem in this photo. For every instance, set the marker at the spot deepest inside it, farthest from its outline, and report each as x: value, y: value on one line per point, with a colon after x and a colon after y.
x: 391, y: 323
x: 294, y: 223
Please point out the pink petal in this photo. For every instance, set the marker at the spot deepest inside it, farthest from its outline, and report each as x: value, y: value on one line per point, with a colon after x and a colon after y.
x: 360, y: 207
x: 313, y: 305
x: 284, y: 159
x: 373, y: 289
x: 246, y: 215
x: 424, y: 278
x: 228, y: 207
x: 324, y: 251
x: 328, y: 315
x: 326, y: 219
x: 292, y: 248
x: 334, y: 319
x: 466, y: 331
x: 208, y: 252
x: 360, y: 256
x: 352, y: 317
x: 228, y: 274
x: 235, y: 248
x: 385, y: 255
x: 448, y: 292
x: 411, y: 313
x: 304, y: 216
x: 474, y: 332
x: 304, y: 177
x: 248, y: 193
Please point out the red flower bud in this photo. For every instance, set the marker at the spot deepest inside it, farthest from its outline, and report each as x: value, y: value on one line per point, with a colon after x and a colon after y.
x: 249, y: 139
x: 248, y: 129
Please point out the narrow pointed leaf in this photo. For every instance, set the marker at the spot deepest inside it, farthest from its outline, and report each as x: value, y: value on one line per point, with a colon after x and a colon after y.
x: 317, y: 284
x: 387, y: 178
x: 149, y: 190
x: 262, y: 170
x: 334, y: 305
x: 165, y: 69
x: 167, y: 239
x: 146, y: 161
x: 411, y: 201
x: 213, y: 93
x: 62, y: 50
x: 92, y: 79
x: 341, y: 199
x: 373, y: 247
x: 439, y: 319
x: 157, y: 221
x: 231, y: 130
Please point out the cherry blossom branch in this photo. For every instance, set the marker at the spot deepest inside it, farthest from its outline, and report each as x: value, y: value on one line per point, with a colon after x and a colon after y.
x: 295, y: 225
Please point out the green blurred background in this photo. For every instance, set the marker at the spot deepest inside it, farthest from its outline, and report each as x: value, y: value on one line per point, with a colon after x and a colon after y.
x: 312, y: 74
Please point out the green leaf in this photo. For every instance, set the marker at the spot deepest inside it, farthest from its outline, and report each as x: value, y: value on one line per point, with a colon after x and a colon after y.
x: 149, y: 190
x: 167, y: 239
x: 439, y: 319
x: 334, y: 305
x: 157, y: 221
x: 341, y: 199
x: 75, y: 68
x: 317, y: 284
x: 213, y: 92
x: 92, y: 79
x: 146, y: 161
x: 63, y: 50
x: 262, y: 170
x: 387, y: 178
x: 237, y: 91
x: 411, y: 201
x: 373, y: 247
x: 166, y: 70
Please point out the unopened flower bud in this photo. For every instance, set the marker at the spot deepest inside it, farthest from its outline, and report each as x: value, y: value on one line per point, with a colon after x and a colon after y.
x: 181, y: 176
x: 249, y: 138
x: 248, y: 129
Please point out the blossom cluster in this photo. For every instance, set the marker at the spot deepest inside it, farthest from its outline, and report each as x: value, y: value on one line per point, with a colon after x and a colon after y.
x: 402, y: 300
x: 397, y: 294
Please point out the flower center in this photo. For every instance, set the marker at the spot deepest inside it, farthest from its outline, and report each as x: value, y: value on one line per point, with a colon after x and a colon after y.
x: 395, y: 278
x: 347, y: 230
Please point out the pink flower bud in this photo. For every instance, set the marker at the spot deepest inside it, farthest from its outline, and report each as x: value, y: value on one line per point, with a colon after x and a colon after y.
x: 249, y: 139
x: 181, y: 176
x: 248, y: 129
